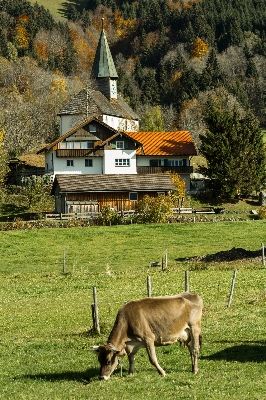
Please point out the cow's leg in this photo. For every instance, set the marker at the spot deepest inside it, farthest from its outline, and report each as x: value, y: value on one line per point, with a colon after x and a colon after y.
x: 131, y: 349
x: 131, y: 359
x: 152, y: 356
x: 194, y: 347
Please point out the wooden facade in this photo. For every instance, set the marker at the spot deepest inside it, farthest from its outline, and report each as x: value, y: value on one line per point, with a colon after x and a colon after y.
x: 87, y: 193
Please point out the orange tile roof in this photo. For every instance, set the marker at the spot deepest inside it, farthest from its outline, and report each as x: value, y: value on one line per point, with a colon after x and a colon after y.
x: 175, y: 143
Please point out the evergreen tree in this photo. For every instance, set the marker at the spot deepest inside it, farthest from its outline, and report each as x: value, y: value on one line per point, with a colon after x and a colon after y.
x: 212, y: 76
x: 3, y: 44
x: 233, y: 148
x: 251, y: 71
x: 150, y: 91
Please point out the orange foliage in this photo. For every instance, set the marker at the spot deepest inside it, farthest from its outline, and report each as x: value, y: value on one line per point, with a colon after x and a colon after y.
x: 199, y: 49
x: 23, y: 19
x: 85, y: 52
x: 41, y: 49
x: 22, y: 36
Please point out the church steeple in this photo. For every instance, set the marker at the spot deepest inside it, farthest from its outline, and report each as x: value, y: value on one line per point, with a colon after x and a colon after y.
x: 103, y: 69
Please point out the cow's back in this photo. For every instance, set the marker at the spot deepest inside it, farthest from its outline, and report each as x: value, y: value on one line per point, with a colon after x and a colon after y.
x: 164, y: 317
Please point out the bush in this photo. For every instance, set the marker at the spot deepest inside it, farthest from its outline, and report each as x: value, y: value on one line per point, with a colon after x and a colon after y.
x: 262, y: 213
x: 108, y: 216
x: 154, y: 209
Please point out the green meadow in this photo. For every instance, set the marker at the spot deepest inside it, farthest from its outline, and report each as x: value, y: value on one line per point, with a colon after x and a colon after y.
x: 46, y: 323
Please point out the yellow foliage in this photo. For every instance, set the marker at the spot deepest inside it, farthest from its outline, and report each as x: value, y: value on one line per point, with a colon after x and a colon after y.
x: 58, y: 85
x: 123, y: 26
x: 22, y: 36
x: 2, y: 135
x: 176, y: 76
x: 180, y: 185
x: 199, y: 49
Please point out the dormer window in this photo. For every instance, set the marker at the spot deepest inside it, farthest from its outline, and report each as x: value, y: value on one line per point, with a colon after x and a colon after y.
x: 120, y: 144
x: 92, y: 128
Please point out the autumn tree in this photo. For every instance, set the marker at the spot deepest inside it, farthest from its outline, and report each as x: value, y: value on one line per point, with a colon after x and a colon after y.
x: 152, y: 120
x: 233, y: 148
x: 199, y: 48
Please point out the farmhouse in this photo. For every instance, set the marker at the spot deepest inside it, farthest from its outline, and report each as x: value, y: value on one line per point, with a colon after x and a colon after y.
x: 101, y: 156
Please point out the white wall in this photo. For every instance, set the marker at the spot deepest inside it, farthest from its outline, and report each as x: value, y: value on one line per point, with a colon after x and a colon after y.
x: 60, y: 165
x: 68, y: 122
x: 109, y: 162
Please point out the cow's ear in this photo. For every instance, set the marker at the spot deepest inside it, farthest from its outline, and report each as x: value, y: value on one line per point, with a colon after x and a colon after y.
x: 121, y: 353
x: 95, y: 349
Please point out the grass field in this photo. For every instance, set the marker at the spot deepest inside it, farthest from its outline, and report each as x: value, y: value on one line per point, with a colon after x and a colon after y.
x: 58, y: 7
x: 45, y: 319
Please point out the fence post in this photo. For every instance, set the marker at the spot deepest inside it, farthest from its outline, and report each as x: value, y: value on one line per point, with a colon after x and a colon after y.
x: 263, y: 255
x: 149, y: 286
x: 232, y: 289
x: 186, y: 282
x: 166, y: 256
x: 96, y: 324
x: 64, y: 261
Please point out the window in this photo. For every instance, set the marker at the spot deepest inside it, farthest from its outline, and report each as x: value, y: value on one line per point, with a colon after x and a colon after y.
x: 122, y: 162
x: 92, y: 128
x: 174, y: 163
x: 155, y: 163
x: 70, y: 163
x: 87, y: 145
x: 88, y: 162
x: 160, y: 194
x: 120, y: 145
x: 70, y: 145
x: 133, y: 196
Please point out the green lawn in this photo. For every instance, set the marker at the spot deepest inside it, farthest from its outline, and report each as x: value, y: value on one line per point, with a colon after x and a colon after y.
x: 45, y: 319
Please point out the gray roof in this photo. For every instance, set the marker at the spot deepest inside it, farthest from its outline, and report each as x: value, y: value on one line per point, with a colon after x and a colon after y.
x: 114, y: 183
x: 103, y: 66
x: 97, y: 104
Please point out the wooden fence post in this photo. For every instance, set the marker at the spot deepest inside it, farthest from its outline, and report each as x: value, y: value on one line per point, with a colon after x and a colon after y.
x: 96, y: 324
x: 186, y: 282
x: 64, y: 262
x: 232, y: 289
x: 149, y: 286
x: 263, y: 253
x: 166, y: 256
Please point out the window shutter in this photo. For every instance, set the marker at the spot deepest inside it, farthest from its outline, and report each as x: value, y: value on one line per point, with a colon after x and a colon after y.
x: 113, y: 145
x: 126, y: 144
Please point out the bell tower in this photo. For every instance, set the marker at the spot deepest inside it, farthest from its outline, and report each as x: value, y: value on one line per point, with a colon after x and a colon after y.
x: 103, y: 69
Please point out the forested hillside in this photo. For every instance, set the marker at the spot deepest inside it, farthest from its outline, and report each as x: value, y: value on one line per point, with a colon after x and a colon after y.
x: 173, y: 58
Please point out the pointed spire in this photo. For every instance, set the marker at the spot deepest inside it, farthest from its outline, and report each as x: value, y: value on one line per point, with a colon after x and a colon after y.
x: 103, y: 66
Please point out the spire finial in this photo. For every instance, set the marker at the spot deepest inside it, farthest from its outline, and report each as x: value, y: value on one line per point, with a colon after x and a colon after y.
x: 102, y: 22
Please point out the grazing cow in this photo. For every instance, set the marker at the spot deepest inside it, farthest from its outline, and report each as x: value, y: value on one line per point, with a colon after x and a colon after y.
x: 151, y: 322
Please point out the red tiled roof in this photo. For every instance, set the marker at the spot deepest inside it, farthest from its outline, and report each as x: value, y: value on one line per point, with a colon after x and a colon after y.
x: 175, y: 143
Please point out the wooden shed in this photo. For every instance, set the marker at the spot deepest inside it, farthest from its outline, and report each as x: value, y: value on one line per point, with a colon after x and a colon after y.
x: 83, y: 193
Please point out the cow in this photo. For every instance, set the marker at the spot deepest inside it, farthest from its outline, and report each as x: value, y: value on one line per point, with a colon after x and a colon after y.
x: 152, y: 322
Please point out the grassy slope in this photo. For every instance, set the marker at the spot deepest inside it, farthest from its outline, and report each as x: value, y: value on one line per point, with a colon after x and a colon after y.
x: 45, y: 316
x: 58, y: 7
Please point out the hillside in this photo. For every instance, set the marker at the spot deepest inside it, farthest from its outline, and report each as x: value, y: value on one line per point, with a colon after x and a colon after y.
x: 173, y: 58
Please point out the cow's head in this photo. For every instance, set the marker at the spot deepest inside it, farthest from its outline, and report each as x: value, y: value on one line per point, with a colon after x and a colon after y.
x: 108, y: 357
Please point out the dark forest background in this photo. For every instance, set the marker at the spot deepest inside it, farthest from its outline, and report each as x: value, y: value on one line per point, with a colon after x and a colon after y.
x: 174, y: 60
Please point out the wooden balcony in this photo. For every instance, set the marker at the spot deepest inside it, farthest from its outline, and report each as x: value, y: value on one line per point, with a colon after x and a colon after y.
x: 162, y: 170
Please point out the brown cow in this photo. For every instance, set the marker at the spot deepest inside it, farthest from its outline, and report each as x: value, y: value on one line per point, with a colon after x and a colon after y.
x: 152, y: 322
